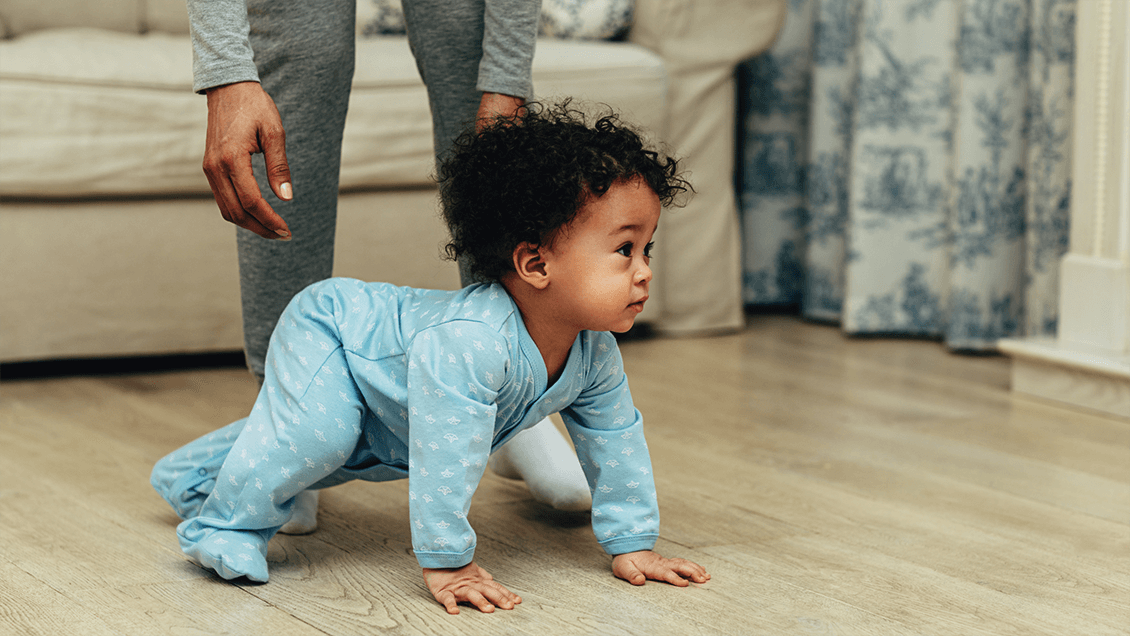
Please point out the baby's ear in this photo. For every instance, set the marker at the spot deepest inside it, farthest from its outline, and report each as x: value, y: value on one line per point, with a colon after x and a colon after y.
x: 530, y: 265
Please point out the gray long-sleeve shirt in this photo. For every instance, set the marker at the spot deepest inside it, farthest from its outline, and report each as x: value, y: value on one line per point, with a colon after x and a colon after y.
x: 222, y: 51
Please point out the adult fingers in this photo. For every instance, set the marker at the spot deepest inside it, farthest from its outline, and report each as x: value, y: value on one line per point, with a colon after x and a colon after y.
x: 254, y: 213
x: 232, y: 210
x: 227, y: 183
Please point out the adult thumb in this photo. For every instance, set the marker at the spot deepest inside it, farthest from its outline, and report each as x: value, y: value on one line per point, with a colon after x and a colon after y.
x: 278, y: 170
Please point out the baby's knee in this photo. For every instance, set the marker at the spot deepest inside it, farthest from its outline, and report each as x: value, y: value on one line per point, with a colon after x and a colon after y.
x: 163, y: 475
x: 318, y: 308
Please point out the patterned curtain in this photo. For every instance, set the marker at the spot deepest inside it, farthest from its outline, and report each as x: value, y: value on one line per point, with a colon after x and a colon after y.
x: 905, y: 166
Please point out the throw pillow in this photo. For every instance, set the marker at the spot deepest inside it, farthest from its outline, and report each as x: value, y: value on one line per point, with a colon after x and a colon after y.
x: 380, y: 17
x: 585, y: 19
x: 563, y: 19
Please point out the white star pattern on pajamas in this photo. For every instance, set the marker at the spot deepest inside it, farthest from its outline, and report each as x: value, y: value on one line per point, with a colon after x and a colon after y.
x: 428, y: 385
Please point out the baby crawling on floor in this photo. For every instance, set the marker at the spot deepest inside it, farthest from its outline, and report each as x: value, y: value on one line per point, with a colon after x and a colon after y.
x: 377, y: 382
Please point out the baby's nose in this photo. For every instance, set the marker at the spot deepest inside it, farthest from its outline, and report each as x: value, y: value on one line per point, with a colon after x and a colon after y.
x: 643, y: 275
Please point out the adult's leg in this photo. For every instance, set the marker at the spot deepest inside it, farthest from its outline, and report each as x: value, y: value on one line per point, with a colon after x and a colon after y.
x: 446, y: 37
x: 305, y: 55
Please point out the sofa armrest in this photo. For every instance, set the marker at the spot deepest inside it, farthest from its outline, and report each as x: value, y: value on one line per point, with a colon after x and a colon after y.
x: 698, y: 269
x: 694, y: 33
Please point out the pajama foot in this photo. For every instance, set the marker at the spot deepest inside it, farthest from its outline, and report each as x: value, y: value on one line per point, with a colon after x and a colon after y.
x: 231, y: 553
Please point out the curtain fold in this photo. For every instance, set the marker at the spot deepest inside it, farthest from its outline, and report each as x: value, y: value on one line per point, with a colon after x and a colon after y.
x: 904, y: 166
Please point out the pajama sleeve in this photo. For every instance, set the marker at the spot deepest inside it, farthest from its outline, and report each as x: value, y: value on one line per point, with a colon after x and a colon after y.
x: 607, y: 431
x: 455, y: 371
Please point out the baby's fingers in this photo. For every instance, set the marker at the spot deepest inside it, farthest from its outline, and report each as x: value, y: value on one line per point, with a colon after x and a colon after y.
x: 627, y: 570
x: 673, y: 571
x: 672, y: 577
x: 500, y: 596
x: 474, y: 597
x: 691, y: 570
x: 447, y: 598
x: 486, y: 596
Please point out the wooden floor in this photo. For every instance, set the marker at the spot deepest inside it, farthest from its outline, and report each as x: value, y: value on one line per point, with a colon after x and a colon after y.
x: 830, y: 485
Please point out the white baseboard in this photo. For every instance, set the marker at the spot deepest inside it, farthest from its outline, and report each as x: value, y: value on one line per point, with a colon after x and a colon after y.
x: 1085, y: 377
x: 1094, y: 302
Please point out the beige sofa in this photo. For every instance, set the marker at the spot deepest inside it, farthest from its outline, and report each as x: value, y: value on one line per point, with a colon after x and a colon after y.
x: 110, y: 243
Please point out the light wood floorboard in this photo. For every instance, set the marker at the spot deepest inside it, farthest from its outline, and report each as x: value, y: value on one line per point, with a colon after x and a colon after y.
x: 831, y: 485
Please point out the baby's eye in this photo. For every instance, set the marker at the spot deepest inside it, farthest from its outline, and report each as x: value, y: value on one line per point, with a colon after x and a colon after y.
x: 625, y: 250
x: 647, y: 249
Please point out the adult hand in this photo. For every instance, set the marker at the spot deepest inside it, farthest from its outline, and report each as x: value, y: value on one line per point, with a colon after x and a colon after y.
x: 494, y: 105
x: 242, y: 121
x: 637, y: 567
x: 468, y: 584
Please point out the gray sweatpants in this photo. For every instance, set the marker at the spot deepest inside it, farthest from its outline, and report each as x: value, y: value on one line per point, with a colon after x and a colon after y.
x: 304, y: 52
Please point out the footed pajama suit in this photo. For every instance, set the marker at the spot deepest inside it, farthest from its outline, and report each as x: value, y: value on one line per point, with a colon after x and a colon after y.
x: 376, y: 382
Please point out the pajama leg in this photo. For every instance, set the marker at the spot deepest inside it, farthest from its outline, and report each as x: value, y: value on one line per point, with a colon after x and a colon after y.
x: 305, y: 425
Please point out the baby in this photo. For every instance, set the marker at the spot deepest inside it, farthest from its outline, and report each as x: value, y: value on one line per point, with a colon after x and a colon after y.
x: 376, y: 382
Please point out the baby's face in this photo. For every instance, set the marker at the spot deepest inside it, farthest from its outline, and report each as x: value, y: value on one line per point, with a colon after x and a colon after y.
x: 600, y: 263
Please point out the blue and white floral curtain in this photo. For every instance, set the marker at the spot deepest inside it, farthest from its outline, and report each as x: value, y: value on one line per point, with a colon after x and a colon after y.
x: 905, y: 166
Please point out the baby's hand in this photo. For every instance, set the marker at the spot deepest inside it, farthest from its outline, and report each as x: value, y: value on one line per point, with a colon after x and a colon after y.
x: 468, y: 584
x: 637, y: 567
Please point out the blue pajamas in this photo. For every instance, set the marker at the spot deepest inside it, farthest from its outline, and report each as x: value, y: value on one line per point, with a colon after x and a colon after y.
x: 270, y: 456
x: 376, y: 382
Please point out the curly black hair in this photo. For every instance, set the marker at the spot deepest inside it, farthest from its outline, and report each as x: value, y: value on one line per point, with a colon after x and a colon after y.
x: 522, y: 178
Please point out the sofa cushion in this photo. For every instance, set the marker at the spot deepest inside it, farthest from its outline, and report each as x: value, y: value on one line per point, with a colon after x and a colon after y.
x: 81, y: 115
x: 168, y: 16
x: 21, y: 17
x: 380, y: 17
x: 388, y: 133
x: 96, y: 112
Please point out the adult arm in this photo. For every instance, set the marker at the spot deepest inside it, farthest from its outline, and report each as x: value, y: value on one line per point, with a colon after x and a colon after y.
x: 242, y: 118
x: 510, y: 29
